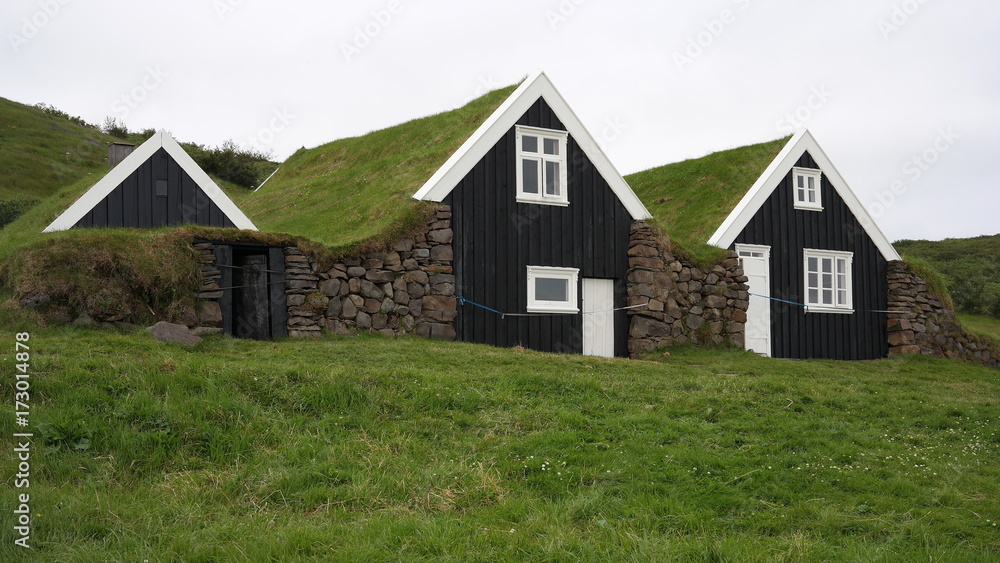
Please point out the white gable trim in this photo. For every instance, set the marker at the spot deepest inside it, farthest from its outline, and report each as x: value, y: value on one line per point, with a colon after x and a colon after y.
x: 779, y: 168
x: 503, y: 119
x: 125, y: 168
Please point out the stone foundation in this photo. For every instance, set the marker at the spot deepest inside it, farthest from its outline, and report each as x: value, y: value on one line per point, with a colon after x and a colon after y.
x: 920, y: 323
x: 679, y: 302
x: 408, y: 290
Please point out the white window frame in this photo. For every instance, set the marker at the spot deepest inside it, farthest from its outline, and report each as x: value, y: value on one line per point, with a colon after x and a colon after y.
x: 571, y: 275
x: 806, y: 174
x: 541, y: 158
x: 842, y: 283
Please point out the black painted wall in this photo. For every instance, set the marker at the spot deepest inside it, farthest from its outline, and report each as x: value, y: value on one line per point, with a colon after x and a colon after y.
x: 135, y: 203
x: 496, y: 238
x: 795, y: 334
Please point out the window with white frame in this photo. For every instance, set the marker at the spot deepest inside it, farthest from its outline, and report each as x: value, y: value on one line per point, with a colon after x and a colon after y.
x: 552, y: 290
x: 828, y: 285
x: 541, y: 166
x: 806, y: 183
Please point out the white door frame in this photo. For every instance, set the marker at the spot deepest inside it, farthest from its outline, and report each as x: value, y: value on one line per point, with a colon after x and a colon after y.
x: 598, y: 317
x: 756, y: 262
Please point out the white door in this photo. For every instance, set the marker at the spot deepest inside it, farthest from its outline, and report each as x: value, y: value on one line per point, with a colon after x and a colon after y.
x: 598, y: 317
x: 756, y: 261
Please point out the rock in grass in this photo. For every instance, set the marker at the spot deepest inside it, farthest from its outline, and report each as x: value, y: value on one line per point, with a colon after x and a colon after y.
x: 169, y: 332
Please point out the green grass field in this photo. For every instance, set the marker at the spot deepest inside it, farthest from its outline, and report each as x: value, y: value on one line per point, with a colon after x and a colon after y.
x: 367, y: 449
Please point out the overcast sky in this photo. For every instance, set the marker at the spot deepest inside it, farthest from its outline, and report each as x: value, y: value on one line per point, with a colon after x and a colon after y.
x: 904, y: 95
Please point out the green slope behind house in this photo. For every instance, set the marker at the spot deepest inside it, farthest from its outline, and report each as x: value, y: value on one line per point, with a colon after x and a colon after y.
x: 359, y: 189
x: 970, y: 268
x: 690, y: 199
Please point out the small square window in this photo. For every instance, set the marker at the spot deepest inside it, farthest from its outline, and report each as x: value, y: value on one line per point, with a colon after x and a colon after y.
x: 828, y: 281
x: 806, y: 184
x: 542, y: 166
x: 552, y: 290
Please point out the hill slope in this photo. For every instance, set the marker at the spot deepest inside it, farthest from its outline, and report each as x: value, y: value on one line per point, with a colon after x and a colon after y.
x: 41, y: 152
x: 367, y: 448
x: 970, y: 268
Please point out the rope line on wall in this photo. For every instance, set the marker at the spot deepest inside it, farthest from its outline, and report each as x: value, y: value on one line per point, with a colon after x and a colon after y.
x: 807, y: 306
x: 464, y: 301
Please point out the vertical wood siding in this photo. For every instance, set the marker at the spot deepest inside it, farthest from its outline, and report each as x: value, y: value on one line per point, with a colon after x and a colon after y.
x: 795, y: 334
x: 134, y: 202
x: 497, y: 238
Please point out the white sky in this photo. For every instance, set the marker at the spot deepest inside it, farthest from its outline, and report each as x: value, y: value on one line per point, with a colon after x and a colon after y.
x: 883, y: 84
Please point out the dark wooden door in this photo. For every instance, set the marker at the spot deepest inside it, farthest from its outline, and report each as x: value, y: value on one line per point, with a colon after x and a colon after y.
x: 251, y: 305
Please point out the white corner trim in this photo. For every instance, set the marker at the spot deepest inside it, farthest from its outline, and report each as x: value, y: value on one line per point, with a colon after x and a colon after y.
x: 142, y: 153
x: 776, y: 172
x: 446, y: 178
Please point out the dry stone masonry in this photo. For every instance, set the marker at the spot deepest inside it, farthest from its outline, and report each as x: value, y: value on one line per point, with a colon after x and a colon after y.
x: 679, y: 302
x: 920, y: 323
x: 409, y: 289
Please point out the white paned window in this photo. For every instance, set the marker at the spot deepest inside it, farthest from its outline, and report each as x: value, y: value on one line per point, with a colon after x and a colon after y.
x: 552, y: 290
x: 828, y: 285
x: 806, y: 184
x: 541, y: 157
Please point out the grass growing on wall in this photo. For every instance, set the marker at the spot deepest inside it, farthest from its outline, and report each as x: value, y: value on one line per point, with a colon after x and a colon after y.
x: 375, y: 449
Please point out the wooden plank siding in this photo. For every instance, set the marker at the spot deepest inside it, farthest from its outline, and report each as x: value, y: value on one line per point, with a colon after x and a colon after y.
x: 788, y: 231
x: 134, y: 202
x: 497, y: 238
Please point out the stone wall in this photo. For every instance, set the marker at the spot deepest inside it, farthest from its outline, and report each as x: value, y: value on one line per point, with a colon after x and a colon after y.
x: 920, y: 323
x: 409, y: 289
x: 679, y: 302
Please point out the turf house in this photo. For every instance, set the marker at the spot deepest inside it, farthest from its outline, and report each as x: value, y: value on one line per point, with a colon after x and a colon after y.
x: 816, y: 262
x: 155, y: 185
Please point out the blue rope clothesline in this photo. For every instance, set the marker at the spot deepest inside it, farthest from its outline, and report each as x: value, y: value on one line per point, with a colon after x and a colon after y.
x: 463, y: 301
x: 807, y: 306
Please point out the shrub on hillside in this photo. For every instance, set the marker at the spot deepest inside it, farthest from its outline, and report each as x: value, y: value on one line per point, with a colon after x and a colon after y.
x: 232, y: 163
x: 11, y: 209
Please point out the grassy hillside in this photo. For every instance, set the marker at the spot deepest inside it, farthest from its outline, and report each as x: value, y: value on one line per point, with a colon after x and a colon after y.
x: 970, y: 268
x: 41, y: 152
x: 367, y: 449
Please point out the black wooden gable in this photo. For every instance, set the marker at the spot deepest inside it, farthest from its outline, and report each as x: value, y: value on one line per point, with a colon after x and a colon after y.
x: 788, y: 231
x: 497, y: 238
x: 158, y: 193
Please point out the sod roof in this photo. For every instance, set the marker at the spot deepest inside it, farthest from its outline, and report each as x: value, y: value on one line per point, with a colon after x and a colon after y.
x: 358, y: 190
x: 690, y: 199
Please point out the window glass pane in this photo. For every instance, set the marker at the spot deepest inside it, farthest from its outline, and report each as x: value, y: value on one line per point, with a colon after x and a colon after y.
x: 551, y: 289
x: 800, y: 181
x: 813, y: 265
x: 814, y: 296
x: 812, y: 196
x: 827, y: 281
x: 551, y: 146
x: 827, y: 297
x: 841, y: 266
x: 552, y: 186
x: 841, y: 297
x: 812, y: 183
x: 529, y: 143
x: 529, y: 185
x: 801, y: 195
x: 813, y: 279
x: 827, y: 265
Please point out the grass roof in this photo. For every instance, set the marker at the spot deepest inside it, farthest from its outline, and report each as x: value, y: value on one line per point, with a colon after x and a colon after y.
x: 690, y: 199
x: 357, y: 191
